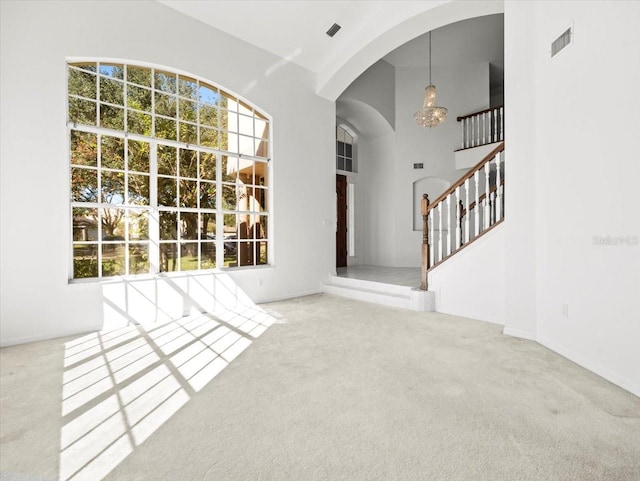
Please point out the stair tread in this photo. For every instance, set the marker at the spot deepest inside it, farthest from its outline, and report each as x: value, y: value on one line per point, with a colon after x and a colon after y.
x: 371, y: 291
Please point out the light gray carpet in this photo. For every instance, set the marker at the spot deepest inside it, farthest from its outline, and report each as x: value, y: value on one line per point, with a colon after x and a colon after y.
x: 344, y: 390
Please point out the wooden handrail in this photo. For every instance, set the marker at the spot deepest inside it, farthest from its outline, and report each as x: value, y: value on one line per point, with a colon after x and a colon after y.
x: 468, y: 175
x: 480, y: 112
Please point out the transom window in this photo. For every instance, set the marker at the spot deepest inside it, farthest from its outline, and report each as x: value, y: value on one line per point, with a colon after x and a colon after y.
x: 168, y: 173
x: 344, y: 150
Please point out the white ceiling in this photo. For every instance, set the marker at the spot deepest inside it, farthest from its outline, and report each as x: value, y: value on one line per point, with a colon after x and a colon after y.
x: 295, y: 30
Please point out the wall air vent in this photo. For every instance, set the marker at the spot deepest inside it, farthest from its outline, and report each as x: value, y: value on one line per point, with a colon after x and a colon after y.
x: 561, y: 42
x: 333, y: 30
x: 418, y: 166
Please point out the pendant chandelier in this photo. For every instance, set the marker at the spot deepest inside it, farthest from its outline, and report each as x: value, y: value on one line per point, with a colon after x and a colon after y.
x: 430, y: 115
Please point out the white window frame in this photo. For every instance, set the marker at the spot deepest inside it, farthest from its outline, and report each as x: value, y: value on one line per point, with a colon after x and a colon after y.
x: 153, y: 208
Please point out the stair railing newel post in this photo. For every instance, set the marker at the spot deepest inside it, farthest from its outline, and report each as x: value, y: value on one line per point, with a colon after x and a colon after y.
x: 426, y: 257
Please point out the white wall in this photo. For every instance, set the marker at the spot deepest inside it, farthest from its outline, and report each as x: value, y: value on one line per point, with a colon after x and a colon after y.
x: 37, y: 300
x: 572, y: 176
x: 461, y: 89
x: 472, y: 283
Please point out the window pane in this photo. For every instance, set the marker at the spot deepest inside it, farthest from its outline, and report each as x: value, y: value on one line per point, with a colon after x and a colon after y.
x: 245, y: 125
x: 165, y: 81
x: 209, y: 138
x: 262, y: 128
x: 139, y: 123
x: 207, y: 166
x: 88, y: 66
x: 188, y: 163
x: 208, y: 226
x: 340, y: 148
x: 188, y: 193
x: 246, y: 145
x: 111, y: 91
x: 188, y: 87
x: 262, y: 253
x: 112, y: 187
x: 139, y: 98
x: 85, y: 224
x: 208, y: 115
x: 82, y: 83
x: 260, y: 226
x: 188, y: 133
x: 167, y: 192
x: 208, y: 255
x: 262, y: 148
x: 138, y: 189
x: 207, y: 195
x: 112, y: 152
x: 138, y: 156
x: 138, y: 225
x: 262, y: 173
x: 139, y: 75
x: 168, y: 257
x: 82, y: 111
x: 245, y: 253
x: 113, y: 70
x: 167, y: 160
x: 349, y: 165
x: 230, y: 254
x: 259, y: 200
x: 138, y: 258
x: 84, y: 185
x: 229, y: 201
x: 113, y: 260
x: 189, y: 256
x: 85, y: 261
x: 84, y: 148
x: 188, y: 110
x: 188, y: 225
x: 111, y: 117
x: 165, y: 128
x: 112, y: 221
x: 340, y: 164
x: 168, y: 225
x: 245, y: 109
x: 229, y: 168
x: 165, y: 105
x: 232, y: 120
x: 348, y: 150
x: 208, y: 94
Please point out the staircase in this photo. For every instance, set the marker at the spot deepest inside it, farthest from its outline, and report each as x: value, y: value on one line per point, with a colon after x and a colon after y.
x: 467, y: 210
x: 391, y: 295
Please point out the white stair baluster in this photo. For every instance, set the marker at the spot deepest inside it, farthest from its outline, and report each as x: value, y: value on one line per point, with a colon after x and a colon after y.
x: 458, y: 218
x: 431, y: 228
x: 476, y: 216
x: 501, y: 123
x: 462, y: 146
x: 473, y: 132
x: 449, y: 223
x: 466, y: 208
x: 498, y: 196
x: 495, y: 125
x: 440, y: 231
x: 487, y: 203
x: 484, y: 128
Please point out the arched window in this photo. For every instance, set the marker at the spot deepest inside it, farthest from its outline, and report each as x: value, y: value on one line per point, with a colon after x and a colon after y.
x: 345, y: 150
x: 168, y: 172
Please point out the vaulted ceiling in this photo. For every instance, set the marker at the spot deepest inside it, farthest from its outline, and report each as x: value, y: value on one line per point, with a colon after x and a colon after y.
x: 296, y: 29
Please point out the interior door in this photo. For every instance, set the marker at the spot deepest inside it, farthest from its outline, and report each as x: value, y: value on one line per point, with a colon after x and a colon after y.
x: 341, y: 224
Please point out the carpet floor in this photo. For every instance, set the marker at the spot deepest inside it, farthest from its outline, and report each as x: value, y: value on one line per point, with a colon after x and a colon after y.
x: 314, y: 388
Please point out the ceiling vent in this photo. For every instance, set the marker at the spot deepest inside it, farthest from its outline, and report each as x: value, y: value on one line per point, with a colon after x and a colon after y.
x: 561, y: 42
x: 333, y: 30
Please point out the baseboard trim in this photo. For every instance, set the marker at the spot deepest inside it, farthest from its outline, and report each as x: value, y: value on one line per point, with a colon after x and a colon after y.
x: 622, y: 382
x: 44, y: 337
x: 530, y: 336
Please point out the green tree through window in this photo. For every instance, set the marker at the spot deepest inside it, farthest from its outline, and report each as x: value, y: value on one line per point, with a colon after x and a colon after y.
x: 151, y: 147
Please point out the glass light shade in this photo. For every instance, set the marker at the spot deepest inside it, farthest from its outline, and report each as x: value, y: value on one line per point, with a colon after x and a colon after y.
x: 430, y: 115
